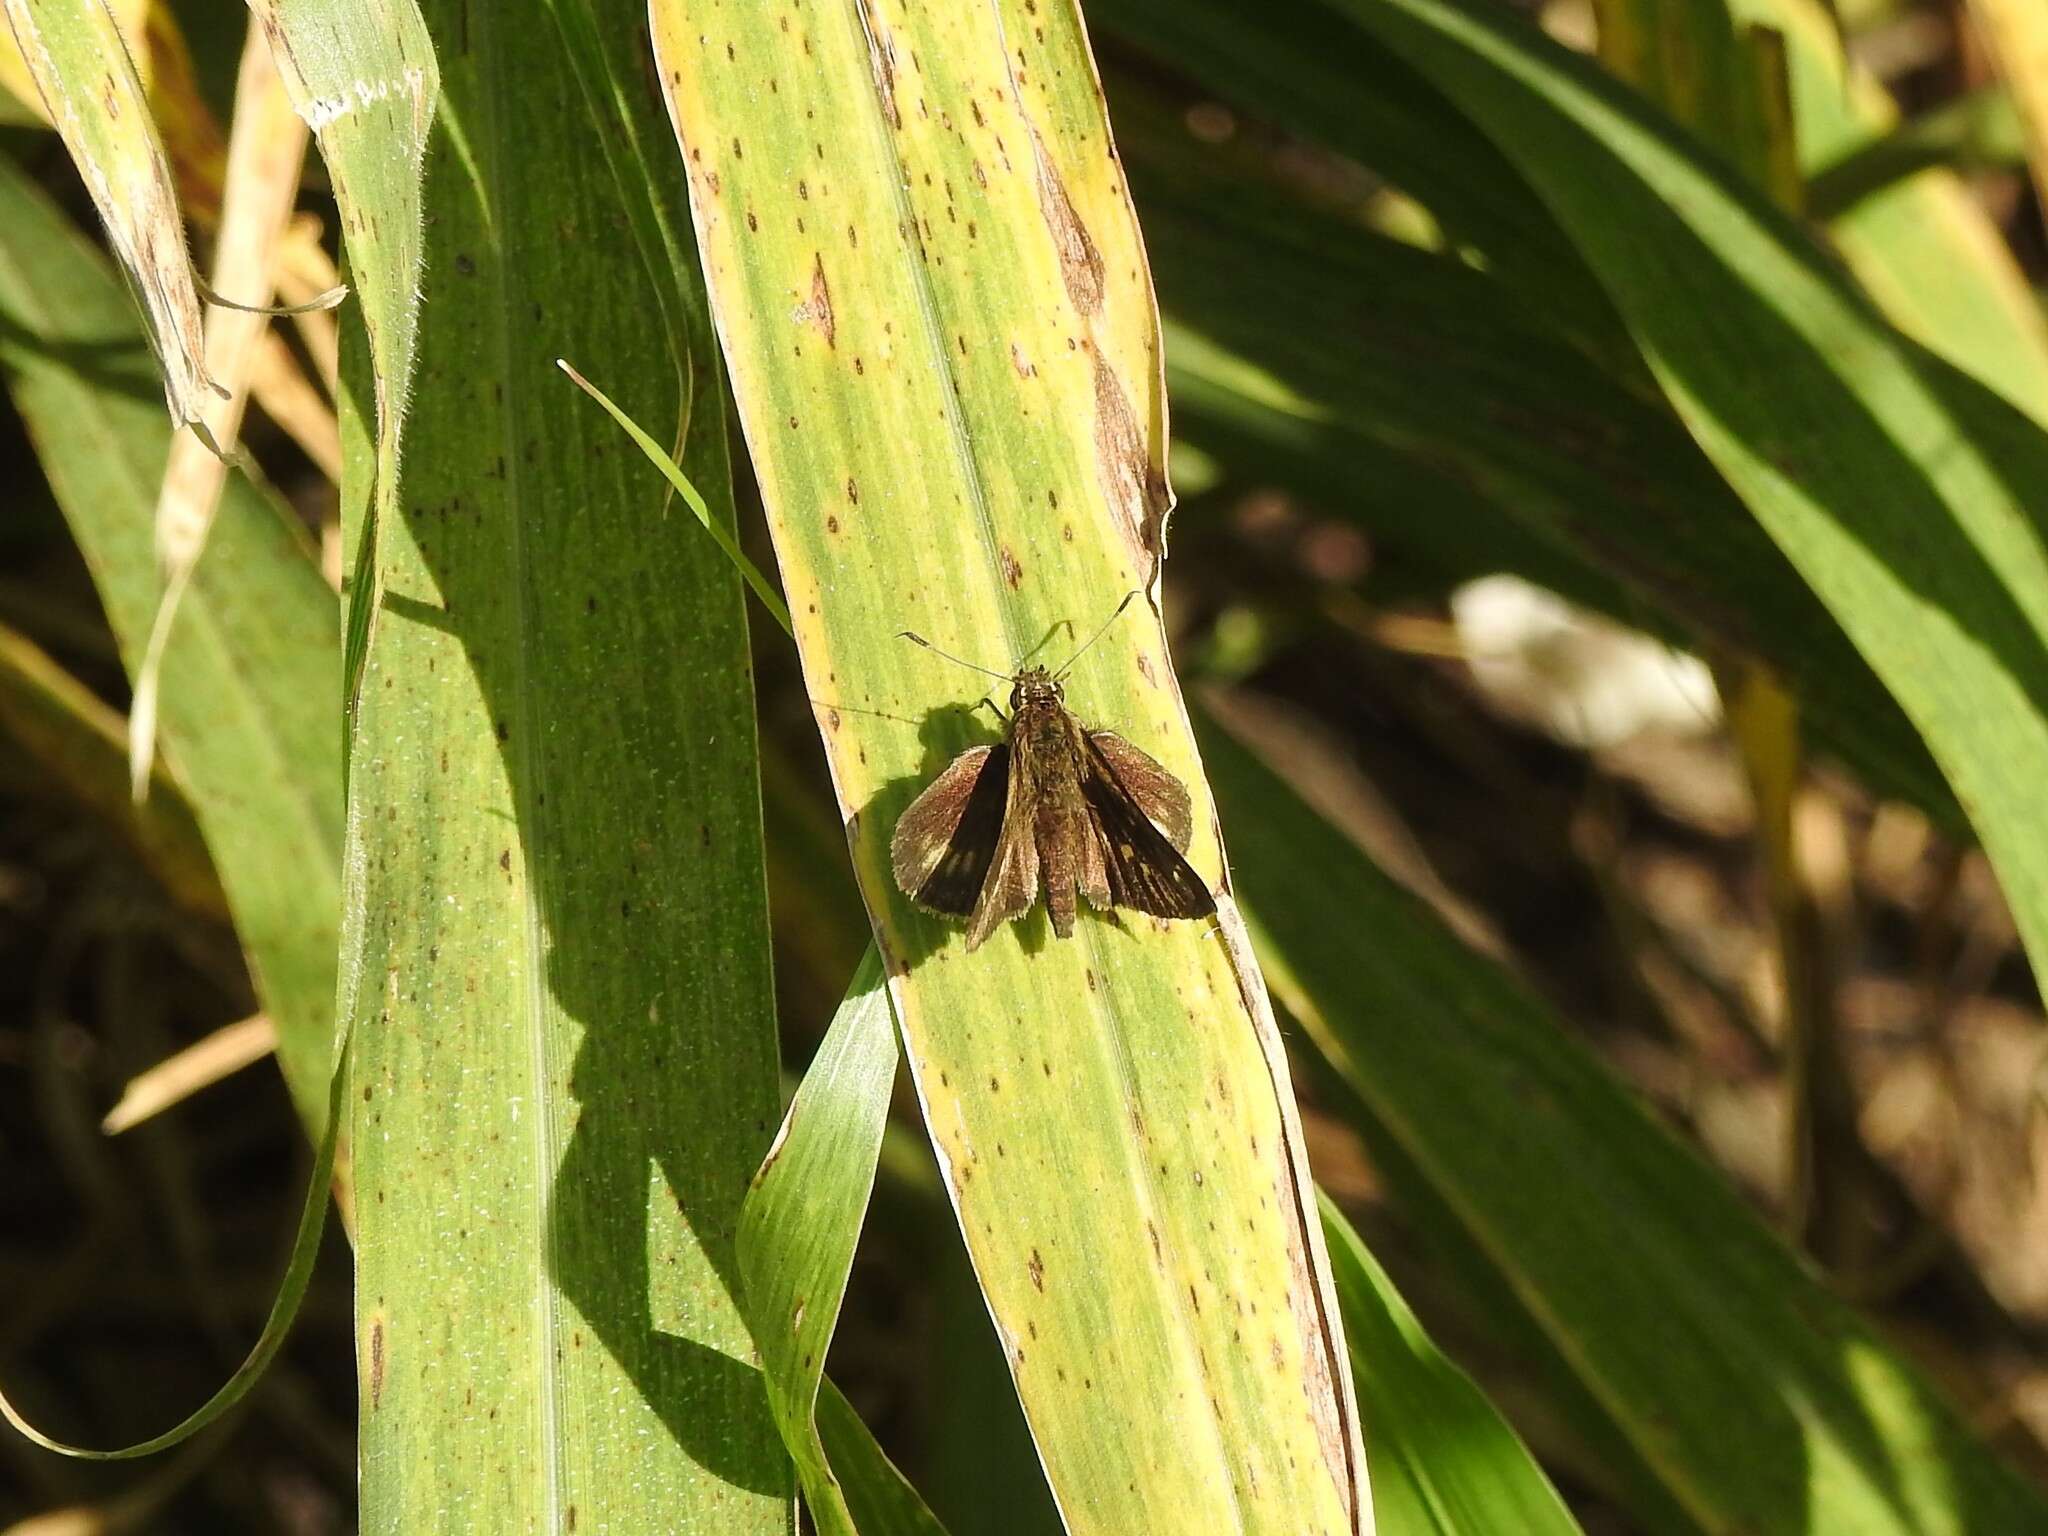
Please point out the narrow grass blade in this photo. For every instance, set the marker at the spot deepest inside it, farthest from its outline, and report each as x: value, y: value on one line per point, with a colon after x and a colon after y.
x: 880, y: 1498
x: 802, y: 1217
x: 1444, y: 1463
x: 284, y: 1310
x: 566, y: 1067
x: 246, y: 720
x: 939, y: 325
x: 796, y: 1240
x: 1755, y: 1398
x: 721, y: 535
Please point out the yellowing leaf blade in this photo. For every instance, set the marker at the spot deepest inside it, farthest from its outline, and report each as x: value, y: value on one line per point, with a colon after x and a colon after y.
x: 927, y: 280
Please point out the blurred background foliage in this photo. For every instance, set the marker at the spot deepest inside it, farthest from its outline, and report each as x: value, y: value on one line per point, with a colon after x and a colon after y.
x: 1448, y: 564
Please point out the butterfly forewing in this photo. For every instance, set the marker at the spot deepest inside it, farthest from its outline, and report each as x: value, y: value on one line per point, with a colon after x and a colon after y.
x: 1012, y: 883
x: 1146, y: 871
x: 1160, y: 795
x: 946, y: 841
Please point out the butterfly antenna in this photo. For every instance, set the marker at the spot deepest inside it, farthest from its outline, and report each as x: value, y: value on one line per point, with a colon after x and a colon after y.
x: 1120, y: 607
x: 958, y: 661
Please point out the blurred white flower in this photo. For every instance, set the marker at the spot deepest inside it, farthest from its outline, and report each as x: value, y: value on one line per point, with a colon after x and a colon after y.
x: 1585, y: 680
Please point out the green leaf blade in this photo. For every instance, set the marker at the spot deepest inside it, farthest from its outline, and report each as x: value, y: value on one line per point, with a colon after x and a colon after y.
x: 803, y: 1216
x: 248, y: 681
x: 1446, y: 1463
x: 797, y: 1233
x: 567, y: 1063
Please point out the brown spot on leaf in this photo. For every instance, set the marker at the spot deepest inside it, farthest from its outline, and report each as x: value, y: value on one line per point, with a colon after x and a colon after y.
x: 1037, y: 1268
x: 376, y: 1353
x: 1080, y: 262
x: 1013, y: 573
x: 882, y: 61
x: 1131, y: 482
x: 817, y: 310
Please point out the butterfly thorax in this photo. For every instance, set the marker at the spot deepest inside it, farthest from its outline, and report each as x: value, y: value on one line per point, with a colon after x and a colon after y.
x: 1047, y: 737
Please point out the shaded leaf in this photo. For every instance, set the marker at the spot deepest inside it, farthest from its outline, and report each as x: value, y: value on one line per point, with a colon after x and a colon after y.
x: 1755, y: 1398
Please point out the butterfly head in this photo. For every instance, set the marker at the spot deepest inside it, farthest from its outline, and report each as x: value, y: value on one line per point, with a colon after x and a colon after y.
x: 1035, y: 685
